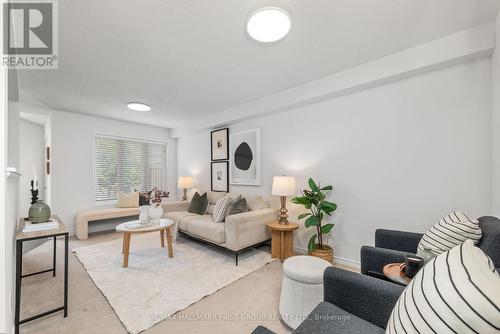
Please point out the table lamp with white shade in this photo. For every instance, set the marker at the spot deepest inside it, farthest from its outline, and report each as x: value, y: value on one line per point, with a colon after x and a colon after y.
x: 283, y: 186
x: 184, y: 183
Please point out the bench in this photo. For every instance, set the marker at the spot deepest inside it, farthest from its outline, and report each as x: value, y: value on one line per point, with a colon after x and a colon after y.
x: 83, y: 218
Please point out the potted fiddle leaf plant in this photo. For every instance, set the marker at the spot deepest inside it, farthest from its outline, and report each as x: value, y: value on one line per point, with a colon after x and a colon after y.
x: 314, y: 200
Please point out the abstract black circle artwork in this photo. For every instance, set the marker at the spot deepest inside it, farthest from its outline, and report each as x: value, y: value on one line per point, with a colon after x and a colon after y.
x: 243, y: 156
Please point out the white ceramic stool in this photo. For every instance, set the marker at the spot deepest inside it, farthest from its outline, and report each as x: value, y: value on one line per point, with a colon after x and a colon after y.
x: 302, y: 288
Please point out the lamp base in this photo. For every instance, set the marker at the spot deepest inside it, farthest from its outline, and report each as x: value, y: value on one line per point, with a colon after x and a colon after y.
x: 283, y: 216
x: 185, y: 198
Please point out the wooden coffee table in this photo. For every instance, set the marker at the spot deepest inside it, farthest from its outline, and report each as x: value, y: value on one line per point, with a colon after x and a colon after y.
x: 129, y: 228
x: 393, y: 272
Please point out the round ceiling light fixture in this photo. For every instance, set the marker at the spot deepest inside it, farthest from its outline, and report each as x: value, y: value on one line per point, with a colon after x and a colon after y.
x: 269, y: 24
x: 138, y: 106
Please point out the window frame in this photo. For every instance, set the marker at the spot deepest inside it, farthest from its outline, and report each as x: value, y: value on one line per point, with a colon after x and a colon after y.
x: 113, y: 202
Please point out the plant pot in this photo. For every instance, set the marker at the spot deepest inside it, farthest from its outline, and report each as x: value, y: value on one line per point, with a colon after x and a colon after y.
x: 325, y: 253
x: 155, y: 213
x: 144, y: 214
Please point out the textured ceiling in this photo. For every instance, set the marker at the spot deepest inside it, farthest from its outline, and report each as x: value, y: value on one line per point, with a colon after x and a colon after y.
x: 188, y: 58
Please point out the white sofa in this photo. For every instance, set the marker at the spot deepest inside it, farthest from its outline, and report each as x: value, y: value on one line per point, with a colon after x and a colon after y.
x: 237, y: 233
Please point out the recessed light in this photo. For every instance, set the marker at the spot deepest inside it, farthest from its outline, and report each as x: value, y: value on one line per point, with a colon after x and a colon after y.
x: 137, y: 106
x: 269, y: 24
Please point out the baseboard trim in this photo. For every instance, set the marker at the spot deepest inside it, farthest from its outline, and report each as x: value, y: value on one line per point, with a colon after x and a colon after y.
x: 348, y: 262
x: 340, y: 260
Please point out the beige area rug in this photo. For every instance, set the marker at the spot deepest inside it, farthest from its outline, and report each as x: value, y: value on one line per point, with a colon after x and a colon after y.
x: 154, y: 287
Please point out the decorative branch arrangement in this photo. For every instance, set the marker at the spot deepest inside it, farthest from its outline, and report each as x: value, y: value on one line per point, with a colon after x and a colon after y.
x: 152, y: 197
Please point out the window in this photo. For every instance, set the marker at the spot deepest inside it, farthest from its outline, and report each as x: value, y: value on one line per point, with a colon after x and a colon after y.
x: 126, y: 165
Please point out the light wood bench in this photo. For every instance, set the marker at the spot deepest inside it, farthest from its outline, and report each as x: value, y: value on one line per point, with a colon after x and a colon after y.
x: 83, y: 218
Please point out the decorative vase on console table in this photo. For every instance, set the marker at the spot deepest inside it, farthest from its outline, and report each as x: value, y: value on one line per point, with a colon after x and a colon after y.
x: 39, y: 212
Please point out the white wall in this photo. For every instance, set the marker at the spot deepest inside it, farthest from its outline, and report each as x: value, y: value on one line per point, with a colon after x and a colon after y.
x: 71, y: 155
x: 10, y: 209
x: 31, y: 153
x: 495, y: 88
x: 400, y: 155
x: 4, y: 272
x: 48, y: 143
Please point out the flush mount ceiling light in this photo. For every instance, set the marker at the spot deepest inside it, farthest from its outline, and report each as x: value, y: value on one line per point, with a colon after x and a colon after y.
x: 137, y: 106
x: 269, y: 24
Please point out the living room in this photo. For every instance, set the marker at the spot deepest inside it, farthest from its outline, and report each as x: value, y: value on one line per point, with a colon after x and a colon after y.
x: 250, y: 167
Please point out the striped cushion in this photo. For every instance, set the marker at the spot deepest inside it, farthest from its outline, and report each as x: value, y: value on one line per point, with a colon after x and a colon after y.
x: 456, y: 292
x: 449, y: 232
x: 220, y: 209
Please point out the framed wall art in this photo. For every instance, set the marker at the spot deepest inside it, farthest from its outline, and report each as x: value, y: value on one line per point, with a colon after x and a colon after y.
x: 219, y: 142
x: 220, y: 176
x: 245, y: 160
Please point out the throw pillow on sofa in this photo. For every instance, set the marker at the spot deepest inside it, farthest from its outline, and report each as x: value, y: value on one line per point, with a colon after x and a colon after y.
x: 199, y: 204
x: 128, y: 200
x: 238, y: 205
x: 210, y: 209
x: 449, y: 232
x: 456, y: 292
x: 220, y: 209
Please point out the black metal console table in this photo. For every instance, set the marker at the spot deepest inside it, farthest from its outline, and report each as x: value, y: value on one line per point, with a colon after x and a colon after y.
x: 25, y: 236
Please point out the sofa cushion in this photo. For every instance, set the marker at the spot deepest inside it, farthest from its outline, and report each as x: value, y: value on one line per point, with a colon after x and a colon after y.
x: 256, y: 203
x: 220, y: 209
x: 199, y: 204
x: 214, y: 196
x: 180, y: 217
x: 328, y: 318
x: 128, y: 200
x: 238, y: 205
x: 204, y: 227
x: 449, y: 232
x: 456, y: 292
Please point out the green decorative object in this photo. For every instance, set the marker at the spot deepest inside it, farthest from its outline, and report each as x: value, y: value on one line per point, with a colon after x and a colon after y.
x: 198, y: 204
x: 39, y: 212
x: 426, y: 254
x: 315, y: 201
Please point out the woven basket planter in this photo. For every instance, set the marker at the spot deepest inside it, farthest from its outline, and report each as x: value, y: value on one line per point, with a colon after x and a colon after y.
x: 326, y: 253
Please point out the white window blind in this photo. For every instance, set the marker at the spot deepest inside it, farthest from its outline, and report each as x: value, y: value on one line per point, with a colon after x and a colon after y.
x: 127, y: 165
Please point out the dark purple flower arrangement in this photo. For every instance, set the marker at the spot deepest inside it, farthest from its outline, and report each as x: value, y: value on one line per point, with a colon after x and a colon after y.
x: 152, y: 197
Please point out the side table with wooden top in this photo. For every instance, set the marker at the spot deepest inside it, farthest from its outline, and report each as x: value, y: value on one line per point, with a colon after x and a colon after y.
x: 282, y: 239
x: 394, y: 272
x: 34, y: 235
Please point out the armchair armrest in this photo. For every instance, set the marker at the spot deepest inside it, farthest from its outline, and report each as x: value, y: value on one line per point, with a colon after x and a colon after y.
x: 397, y: 240
x: 248, y: 228
x: 366, y: 297
x: 262, y: 330
x: 374, y: 259
x: 175, y: 206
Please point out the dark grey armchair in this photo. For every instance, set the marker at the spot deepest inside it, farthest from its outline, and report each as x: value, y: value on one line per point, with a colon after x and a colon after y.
x: 391, y: 246
x: 353, y: 303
